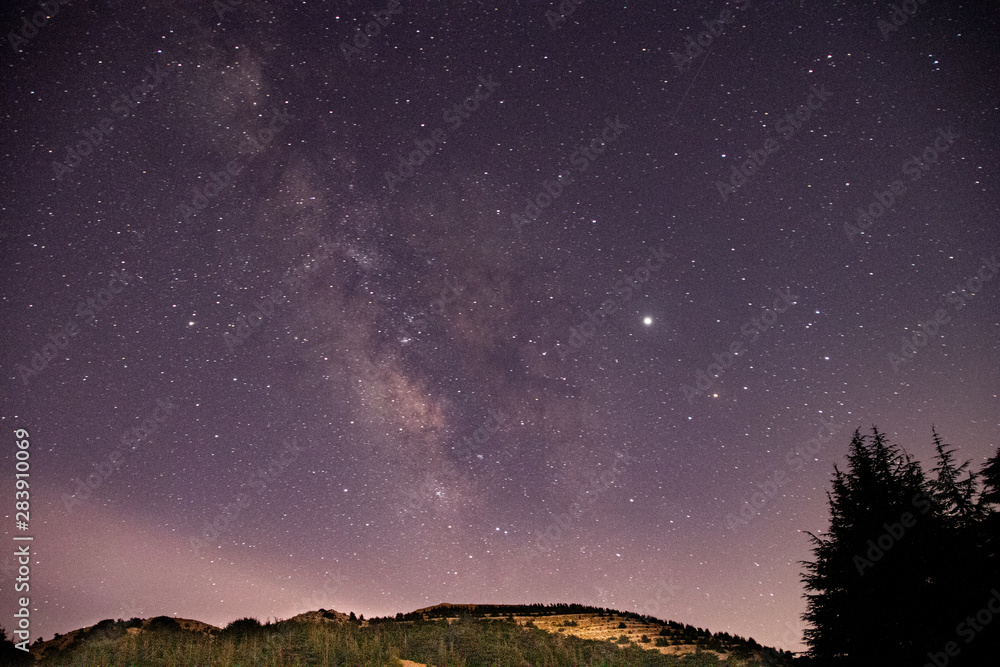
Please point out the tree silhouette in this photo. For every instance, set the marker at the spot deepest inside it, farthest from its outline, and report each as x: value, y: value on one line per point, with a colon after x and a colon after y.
x: 989, y: 505
x: 10, y: 654
x: 957, y: 497
x: 905, y: 560
x: 873, y: 567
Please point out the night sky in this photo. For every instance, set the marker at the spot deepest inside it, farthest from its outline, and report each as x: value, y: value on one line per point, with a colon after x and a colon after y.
x: 490, y: 304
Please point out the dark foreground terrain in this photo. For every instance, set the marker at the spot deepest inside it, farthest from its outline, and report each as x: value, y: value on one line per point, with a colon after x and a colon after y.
x: 444, y: 636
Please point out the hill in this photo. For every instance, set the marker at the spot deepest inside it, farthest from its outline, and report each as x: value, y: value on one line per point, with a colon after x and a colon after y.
x: 111, y: 629
x: 601, y: 624
x: 443, y: 635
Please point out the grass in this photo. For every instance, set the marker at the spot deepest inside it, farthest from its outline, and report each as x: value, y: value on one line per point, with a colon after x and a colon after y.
x: 466, y: 642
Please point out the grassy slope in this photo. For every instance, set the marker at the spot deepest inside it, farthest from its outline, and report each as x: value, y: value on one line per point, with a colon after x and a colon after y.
x: 323, y: 639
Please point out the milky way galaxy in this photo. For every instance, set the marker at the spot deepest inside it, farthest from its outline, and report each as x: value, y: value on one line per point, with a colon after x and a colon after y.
x: 369, y: 306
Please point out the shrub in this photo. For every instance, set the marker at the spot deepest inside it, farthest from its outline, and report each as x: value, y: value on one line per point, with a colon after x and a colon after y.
x: 662, y: 641
x: 164, y: 623
x: 243, y: 627
x: 623, y: 639
x: 622, y: 625
x: 644, y: 639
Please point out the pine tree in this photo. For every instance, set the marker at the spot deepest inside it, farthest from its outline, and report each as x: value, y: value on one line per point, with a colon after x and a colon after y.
x: 986, y: 645
x: 873, y: 572
x: 956, y: 496
x: 989, y: 508
x: 990, y: 474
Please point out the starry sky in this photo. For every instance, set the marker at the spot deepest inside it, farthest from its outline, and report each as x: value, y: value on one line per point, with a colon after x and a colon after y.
x: 372, y: 305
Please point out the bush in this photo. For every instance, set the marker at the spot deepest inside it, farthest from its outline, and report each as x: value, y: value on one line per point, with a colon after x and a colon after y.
x: 644, y: 639
x: 243, y: 627
x: 164, y: 623
x: 622, y: 625
x: 662, y: 641
x: 623, y: 639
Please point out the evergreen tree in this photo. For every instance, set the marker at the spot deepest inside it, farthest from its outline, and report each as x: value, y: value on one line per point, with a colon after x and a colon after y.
x: 873, y: 572
x: 990, y: 475
x: 989, y: 509
x: 956, y: 496
x: 985, y: 646
x: 909, y: 565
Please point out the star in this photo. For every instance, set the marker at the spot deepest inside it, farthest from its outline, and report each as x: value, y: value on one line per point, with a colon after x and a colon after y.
x: 418, y: 286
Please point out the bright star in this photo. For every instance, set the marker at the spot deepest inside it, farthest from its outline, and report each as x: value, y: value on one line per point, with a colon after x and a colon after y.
x: 647, y: 321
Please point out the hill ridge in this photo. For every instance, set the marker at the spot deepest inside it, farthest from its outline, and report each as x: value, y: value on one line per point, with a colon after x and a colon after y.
x: 624, y: 630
